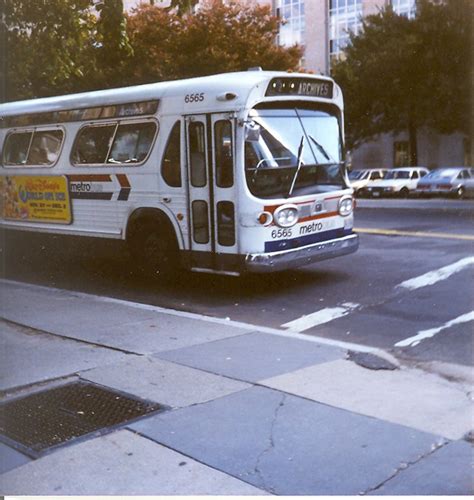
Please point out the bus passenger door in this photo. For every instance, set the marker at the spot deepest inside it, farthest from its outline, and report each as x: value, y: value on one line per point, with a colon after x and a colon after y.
x: 198, y: 161
x: 212, y: 213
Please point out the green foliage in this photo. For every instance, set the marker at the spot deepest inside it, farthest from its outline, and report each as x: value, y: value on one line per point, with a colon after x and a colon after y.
x: 112, y: 44
x: 47, y: 46
x: 402, y: 74
x: 65, y: 46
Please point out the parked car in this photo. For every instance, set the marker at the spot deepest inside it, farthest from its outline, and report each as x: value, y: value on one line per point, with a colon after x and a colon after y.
x: 469, y: 186
x: 398, y: 182
x: 360, y: 179
x: 447, y: 181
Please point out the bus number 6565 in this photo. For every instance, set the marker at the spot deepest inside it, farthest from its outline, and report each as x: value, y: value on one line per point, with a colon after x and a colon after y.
x: 194, y: 97
x: 281, y: 233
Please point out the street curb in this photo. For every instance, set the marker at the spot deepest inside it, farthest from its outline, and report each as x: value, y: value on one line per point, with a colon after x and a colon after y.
x: 249, y: 328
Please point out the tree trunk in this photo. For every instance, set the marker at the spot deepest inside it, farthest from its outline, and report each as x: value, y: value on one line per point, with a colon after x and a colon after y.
x: 412, y: 143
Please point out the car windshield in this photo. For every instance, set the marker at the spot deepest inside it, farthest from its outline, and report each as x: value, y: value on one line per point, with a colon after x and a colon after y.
x: 298, y: 152
x: 444, y: 173
x: 398, y: 174
x: 358, y: 175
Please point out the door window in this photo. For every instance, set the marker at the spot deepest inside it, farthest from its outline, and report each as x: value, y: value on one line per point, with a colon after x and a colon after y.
x: 225, y: 223
x: 197, y: 154
x: 224, y: 153
x: 200, y: 222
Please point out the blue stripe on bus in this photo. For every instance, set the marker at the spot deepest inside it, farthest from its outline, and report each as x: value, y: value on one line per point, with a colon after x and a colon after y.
x: 278, y: 246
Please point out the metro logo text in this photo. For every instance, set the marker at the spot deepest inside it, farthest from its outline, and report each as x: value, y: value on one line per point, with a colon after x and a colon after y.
x: 311, y: 228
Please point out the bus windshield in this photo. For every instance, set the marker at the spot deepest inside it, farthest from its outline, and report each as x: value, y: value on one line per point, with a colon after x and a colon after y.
x: 298, y: 152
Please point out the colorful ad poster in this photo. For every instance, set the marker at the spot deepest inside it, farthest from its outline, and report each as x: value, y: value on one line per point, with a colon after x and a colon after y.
x: 35, y: 199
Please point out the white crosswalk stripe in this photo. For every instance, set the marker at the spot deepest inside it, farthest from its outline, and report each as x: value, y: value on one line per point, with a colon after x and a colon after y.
x: 438, y: 275
x: 426, y: 334
x: 320, y: 317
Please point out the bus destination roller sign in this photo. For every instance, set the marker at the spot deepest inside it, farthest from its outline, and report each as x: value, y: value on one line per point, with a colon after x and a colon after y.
x: 305, y: 87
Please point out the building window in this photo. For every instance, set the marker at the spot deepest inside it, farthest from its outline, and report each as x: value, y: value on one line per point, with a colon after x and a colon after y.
x: 292, y: 29
x: 404, y: 7
x: 345, y: 17
x: 401, y: 154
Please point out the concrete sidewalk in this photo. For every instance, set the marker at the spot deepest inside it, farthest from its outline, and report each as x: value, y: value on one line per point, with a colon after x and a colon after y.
x: 245, y: 412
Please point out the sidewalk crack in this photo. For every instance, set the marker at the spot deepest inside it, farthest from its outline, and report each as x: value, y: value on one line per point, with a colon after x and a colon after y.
x: 271, y: 445
x: 405, y: 466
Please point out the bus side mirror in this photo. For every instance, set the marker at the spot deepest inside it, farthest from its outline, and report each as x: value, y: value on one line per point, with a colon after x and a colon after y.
x: 252, y: 131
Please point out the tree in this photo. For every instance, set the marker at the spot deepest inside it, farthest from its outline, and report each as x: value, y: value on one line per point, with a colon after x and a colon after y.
x: 218, y: 38
x: 62, y: 46
x: 403, y: 74
x: 112, y: 44
x: 47, y: 47
x: 182, y: 7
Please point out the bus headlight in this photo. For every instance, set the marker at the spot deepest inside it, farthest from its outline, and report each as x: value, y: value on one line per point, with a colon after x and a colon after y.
x: 286, y: 215
x: 346, y: 205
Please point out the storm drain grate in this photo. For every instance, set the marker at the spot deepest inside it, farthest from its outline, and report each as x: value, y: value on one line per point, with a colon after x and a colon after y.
x: 56, y: 416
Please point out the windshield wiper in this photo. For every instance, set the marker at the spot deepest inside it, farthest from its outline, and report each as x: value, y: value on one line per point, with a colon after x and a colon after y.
x: 299, y: 162
x: 328, y: 157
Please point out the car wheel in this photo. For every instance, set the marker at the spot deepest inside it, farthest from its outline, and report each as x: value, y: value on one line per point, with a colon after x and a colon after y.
x: 460, y: 193
x: 404, y: 192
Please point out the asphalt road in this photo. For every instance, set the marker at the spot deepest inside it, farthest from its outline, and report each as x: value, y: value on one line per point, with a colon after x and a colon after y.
x: 362, y: 298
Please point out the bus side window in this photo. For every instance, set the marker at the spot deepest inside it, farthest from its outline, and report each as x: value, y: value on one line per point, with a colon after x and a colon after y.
x: 45, y: 147
x: 171, y: 163
x: 197, y: 154
x: 224, y: 153
x: 92, y: 144
x: 16, y: 148
x: 132, y: 142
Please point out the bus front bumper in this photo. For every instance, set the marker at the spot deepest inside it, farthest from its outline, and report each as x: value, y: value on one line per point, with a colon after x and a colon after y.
x: 296, y: 257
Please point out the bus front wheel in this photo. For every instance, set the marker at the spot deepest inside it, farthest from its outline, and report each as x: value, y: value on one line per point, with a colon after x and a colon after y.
x: 154, y: 249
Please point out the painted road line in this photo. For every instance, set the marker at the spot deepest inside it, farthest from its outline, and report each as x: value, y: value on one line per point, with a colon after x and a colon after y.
x: 320, y: 317
x: 437, y: 275
x: 421, y: 234
x: 246, y: 327
x: 426, y: 334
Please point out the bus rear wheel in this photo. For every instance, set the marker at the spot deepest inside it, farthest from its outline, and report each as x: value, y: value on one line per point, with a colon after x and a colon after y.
x: 154, y: 249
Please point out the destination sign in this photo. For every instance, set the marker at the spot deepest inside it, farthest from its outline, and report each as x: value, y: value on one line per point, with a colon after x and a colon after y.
x: 306, y: 87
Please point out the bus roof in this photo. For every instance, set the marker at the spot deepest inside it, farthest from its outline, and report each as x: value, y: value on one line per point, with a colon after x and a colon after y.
x: 239, y: 83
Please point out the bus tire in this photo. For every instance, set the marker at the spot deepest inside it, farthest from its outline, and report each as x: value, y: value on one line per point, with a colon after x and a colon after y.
x: 154, y: 248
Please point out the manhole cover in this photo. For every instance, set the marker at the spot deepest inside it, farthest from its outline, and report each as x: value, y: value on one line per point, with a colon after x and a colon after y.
x: 56, y: 416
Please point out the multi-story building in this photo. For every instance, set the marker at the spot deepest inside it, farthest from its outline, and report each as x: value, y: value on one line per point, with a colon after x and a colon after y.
x: 322, y: 28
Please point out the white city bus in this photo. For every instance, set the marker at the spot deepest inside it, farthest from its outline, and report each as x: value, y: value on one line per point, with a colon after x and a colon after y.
x: 226, y: 174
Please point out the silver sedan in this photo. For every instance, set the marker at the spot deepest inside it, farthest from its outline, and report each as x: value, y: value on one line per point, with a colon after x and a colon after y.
x: 447, y: 181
